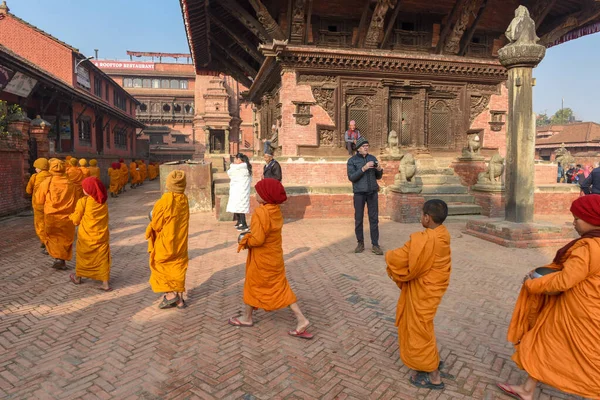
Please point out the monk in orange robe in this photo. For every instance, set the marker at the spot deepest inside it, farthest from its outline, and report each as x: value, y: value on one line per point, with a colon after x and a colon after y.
x: 41, y: 166
x: 58, y: 194
x: 124, y: 174
x: 421, y: 269
x: 266, y: 286
x: 167, y: 236
x: 135, y: 174
x: 555, y: 326
x: 115, y: 175
x: 92, y: 250
x: 75, y: 175
x: 143, y: 171
x: 151, y: 171
x: 94, y: 170
x: 84, y: 168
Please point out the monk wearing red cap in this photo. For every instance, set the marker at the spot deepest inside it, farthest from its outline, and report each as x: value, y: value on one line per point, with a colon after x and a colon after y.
x: 266, y: 286
x: 92, y: 251
x: 556, y: 323
x: 116, y: 177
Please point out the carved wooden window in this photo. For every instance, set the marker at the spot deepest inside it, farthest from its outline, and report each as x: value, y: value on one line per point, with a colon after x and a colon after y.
x: 439, y: 125
x: 358, y: 111
x: 335, y: 33
x: 401, y: 114
x: 480, y: 45
x: 412, y: 32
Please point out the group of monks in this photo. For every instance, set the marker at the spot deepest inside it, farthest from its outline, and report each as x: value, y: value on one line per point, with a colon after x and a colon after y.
x: 135, y: 174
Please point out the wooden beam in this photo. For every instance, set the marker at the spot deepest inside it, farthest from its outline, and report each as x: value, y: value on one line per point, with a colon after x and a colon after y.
x: 539, y: 9
x: 452, y: 45
x: 266, y: 20
x: 298, y: 22
x: 237, y: 11
x: 239, y: 40
x: 363, y: 23
x: 232, y: 69
x: 244, y: 66
x: 571, y: 22
x: 289, y: 19
x: 391, y: 24
x: 446, y: 29
x: 308, y: 18
x: 375, y: 31
x: 81, y: 113
x: 467, y: 38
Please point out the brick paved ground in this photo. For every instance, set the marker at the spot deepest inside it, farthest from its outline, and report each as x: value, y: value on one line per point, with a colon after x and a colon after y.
x: 62, y: 341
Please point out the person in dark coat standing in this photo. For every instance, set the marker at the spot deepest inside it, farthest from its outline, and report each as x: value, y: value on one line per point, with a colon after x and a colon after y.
x: 364, y: 171
x: 272, y: 168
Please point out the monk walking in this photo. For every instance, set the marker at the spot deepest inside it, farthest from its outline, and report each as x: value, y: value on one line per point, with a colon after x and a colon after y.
x: 135, y: 174
x: 266, y: 286
x: 83, y: 168
x: 57, y: 193
x: 41, y: 166
x: 143, y: 171
x: 92, y: 251
x: 556, y: 323
x: 421, y: 269
x: 75, y: 175
x: 167, y: 236
x: 115, y: 175
x: 124, y: 174
x: 94, y: 170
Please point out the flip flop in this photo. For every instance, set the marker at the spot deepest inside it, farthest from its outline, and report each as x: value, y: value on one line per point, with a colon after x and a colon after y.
x: 301, y: 335
x: 73, y: 279
x: 508, y: 391
x: 421, y: 380
x: 165, y: 303
x: 444, y: 375
x: 104, y: 290
x: 237, y: 322
x: 183, y: 305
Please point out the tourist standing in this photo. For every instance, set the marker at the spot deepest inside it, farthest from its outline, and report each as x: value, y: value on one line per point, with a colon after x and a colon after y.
x: 351, y: 136
x: 240, y: 178
x: 272, y: 168
x: 591, y: 184
x: 364, y: 171
x: 560, y: 174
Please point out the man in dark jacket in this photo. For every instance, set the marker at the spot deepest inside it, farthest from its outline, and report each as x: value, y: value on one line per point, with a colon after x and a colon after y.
x: 591, y: 184
x: 272, y: 168
x: 363, y: 172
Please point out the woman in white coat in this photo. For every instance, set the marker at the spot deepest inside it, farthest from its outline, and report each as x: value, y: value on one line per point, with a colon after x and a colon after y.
x: 240, y: 175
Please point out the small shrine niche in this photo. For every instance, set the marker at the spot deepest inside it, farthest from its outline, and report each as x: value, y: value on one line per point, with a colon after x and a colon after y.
x: 497, y: 121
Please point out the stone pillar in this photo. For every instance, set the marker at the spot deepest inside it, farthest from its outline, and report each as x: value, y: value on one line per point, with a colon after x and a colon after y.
x: 520, y: 56
x: 226, y: 149
x: 39, y: 131
x: 206, y: 140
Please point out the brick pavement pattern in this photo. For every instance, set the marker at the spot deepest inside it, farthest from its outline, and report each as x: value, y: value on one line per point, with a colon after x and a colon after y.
x: 61, y: 341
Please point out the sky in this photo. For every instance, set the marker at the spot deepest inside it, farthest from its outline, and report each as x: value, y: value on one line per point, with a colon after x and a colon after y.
x: 114, y: 26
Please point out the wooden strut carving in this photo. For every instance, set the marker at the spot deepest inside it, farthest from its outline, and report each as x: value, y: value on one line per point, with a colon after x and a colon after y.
x: 324, y: 98
x: 326, y: 137
x: 246, y: 19
x: 297, y: 34
x: 539, y: 10
x: 265, y: 18
x: 453, y: 44
x: 375, y: 32
x: 239, y: 40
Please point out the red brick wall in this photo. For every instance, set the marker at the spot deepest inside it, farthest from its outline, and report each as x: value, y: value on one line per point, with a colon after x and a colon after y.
x: 545, y: 173
x: 14, y: 172
x: 553, y: 203
x: 493, y: 139
x: 404, y: 207
x: 38, y: 48
x: 492, y: 204
x: 468, y: 171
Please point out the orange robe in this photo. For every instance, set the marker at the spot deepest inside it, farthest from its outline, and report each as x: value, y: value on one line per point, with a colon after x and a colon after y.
x: 557, y: 338
x: 135, y: 174
x: 92, y: 250
x: 58, y: 196
x: 75, y: 175
x: 167, y: 236
x: 86, y: 171
x: 124, y: 174
x: 94, y: 171
x: 421, y: 269
x: 115, y: 180
x: 151, y: 172
x: 38, y: 208
x: 143, y: 171
x: 266, y: 286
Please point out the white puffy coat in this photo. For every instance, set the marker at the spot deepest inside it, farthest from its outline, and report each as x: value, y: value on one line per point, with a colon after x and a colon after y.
x: 239, y: 189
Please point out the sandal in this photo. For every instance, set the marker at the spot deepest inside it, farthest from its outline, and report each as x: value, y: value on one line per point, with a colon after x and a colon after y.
x: 104, y: 290
x: 166, y: 303
x: 421, y: 380
x: 183, y: 305
x: 508, y: 390
x: 301, y: 335
x: 74, y: 279
x: 237, y: 322
x: 444, y: 375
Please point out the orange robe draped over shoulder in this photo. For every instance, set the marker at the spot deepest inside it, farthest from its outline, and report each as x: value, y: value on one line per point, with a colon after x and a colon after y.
x: 94, y: 171
x: 135, y: 174
x: 58, y: 196
x: 421, y: 269
x: 124, y: 174
x: 75, y: 175
x: 151, y: 172
x: 115, y: 176
x: 33, y: 185
x: 557, y: 338
x: 143, y: 172
x: 92, y: 250
x: 266, y: 286
x: 167, y: 236
x: 86, y: 171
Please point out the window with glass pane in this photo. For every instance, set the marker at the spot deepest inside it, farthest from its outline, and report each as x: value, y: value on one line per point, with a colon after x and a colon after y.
x: 98, y: 87
x: 128, y: 82
x: 180, y: 139
x: 183, y: 84
x: 147, y: 83
x: 164, y: 84
x: 155, y: 83
x: 137, y: 82
x: 85, y: 131
x: 174, y: 84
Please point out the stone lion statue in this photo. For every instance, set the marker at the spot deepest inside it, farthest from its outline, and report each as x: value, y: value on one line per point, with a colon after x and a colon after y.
x: 563, y: 156
x: 494, y: 171
x: 393, y: 142
x: 522, y: 28
x: 473, y: 145
x: 406, y: 170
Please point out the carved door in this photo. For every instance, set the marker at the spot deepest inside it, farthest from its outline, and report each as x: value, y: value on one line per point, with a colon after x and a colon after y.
x: 359, y: 110
x: 401, y: 114
x: 439, y: 126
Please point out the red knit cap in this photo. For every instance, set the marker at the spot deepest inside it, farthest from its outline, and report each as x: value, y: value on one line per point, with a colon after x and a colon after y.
x: 271, y: 191
x: 115, y: 165
x: 95, y: 188
x: 587, y: 208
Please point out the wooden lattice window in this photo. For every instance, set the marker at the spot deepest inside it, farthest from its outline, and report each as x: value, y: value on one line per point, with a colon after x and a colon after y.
x: 439, y: 125
x: 401, y: 109
x: 358, y: 111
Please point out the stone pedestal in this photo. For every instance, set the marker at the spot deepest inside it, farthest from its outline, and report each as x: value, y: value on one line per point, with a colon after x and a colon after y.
x: 405, y: 207
x: 491, y: 200
x: 468, y: 170
x: 521, y: 235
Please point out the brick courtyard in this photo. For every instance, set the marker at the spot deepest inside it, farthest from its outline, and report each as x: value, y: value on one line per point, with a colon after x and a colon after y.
x: 61, y: 341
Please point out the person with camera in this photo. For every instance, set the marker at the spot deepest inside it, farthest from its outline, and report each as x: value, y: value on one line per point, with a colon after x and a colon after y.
x: 364, y: 171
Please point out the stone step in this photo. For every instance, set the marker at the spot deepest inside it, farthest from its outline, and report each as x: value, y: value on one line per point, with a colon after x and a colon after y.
x: 444, y: 189
x: 451, y: 198
x: 463, y: 209
x: 434, y: 171
x: 440, y: 179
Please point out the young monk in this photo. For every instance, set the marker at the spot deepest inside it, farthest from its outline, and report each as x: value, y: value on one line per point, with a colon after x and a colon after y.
x: 75, y: 175
x: 114, y: 173
x: 94, y: 170
x: 151, y: 171
x: 266, y: 286
x: 92, y: 251
x: 135, y: 174
x: 124, y: 174
x: 143, y: 171
x: 58, y: 193
x: 167, y: 236
x: 83, y: 168
x: 556, y: 323
x: 41, y: 166
x: 421, y: 269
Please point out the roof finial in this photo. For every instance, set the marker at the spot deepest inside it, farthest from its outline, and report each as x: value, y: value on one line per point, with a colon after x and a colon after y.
x: 4, y: 8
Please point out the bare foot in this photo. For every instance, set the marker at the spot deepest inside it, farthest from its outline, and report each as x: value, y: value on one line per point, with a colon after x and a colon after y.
x: 170, y: 295
x: 516, y: 390
x: 302, y: 325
